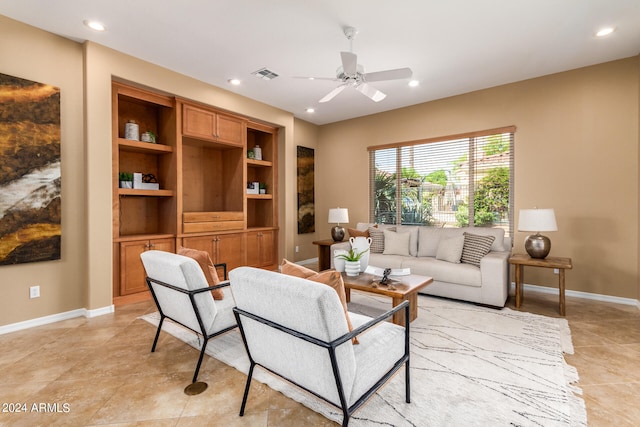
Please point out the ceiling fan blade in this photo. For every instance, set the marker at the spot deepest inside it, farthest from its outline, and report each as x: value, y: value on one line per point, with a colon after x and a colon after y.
x: 328, y: 97
x: 333, y: 79
x: 371, y: 92
x: 349, y: 63
x: 398, y: 73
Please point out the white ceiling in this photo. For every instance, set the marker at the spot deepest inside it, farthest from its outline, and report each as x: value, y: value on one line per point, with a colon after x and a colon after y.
x: 452, y: 46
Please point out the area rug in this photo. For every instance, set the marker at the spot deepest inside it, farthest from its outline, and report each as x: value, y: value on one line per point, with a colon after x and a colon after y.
x: 470, y: 365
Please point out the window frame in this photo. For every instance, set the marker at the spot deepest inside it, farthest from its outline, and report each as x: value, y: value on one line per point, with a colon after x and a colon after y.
x: 472, y: 138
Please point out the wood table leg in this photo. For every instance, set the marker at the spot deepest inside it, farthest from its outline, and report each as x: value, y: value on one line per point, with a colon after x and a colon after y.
x: 561, y: 290
x: 324, y: 257
x: 519, y: 277
x: 347, y: 294
x: 398, y: 318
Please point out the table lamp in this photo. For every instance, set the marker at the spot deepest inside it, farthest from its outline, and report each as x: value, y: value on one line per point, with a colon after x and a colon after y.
x: 337, y: 216
x: 537, y: 220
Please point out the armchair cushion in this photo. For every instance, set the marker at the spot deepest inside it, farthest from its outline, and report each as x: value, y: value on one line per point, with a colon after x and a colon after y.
x: 301, y: 305
x: 330, y: 278
x: 182, y: 272
x: 210, y: 273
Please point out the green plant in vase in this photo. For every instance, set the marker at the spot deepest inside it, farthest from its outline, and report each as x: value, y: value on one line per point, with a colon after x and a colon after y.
x: 352, y: 261
x: 126, y: 179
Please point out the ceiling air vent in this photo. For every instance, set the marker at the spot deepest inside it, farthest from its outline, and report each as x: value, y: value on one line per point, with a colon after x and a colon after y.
x: 265, y: 74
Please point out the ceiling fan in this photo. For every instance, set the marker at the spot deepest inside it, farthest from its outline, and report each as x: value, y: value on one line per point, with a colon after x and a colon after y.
x: 352, y: 74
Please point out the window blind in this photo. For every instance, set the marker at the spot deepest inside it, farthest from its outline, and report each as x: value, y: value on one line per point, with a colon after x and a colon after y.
x: 450, y: 181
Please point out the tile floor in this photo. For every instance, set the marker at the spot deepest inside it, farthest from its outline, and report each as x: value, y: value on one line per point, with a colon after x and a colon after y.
x: 90, y: 372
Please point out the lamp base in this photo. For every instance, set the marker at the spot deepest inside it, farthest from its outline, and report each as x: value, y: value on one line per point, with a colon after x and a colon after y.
x: 537, y: 246
x: 337, y: 233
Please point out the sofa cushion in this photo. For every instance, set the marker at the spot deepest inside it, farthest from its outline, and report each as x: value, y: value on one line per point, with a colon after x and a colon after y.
x: 387, y: 261
x: 450, y: 249
x: 475, y: 247
x: 428, y: 240
x: 413, y: 242
x: 209, y: 270
x: 442, y: 271
x: 329, y: 277
x: 377, y: 239
x: 396, y: 243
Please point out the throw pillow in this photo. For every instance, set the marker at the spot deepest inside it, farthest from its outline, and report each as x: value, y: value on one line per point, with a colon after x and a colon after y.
x: 428, y: 240
x: 377, y: 239
x: 210, y: 273
x: 450, y: 249
x: 475, y: 247
x: 328, y: 277
x: 396, y: 243
x: 357, y: 233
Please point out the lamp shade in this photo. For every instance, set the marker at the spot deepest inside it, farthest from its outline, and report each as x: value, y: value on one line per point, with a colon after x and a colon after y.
x: 537, y: 220
x: 338, y: 215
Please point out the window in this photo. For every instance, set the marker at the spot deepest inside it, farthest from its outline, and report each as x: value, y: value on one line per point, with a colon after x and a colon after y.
x: 445, y: 181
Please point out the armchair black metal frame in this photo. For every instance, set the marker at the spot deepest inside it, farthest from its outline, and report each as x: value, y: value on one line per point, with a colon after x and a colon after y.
x: 202, y: 332
x: 331, y: 348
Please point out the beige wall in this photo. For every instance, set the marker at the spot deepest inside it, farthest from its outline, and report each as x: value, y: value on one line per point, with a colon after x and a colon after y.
x: 306, y: 135
x: 36, y: 55
x: 576, y: 150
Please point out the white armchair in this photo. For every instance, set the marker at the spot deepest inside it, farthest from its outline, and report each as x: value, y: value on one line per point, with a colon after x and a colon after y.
x: 182, y: 294
x: 296, y: 329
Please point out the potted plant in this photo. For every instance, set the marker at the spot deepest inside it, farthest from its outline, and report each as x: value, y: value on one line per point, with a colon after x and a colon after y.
x: 263, y: 188
x: 126, y: 179
x: 352, y: 261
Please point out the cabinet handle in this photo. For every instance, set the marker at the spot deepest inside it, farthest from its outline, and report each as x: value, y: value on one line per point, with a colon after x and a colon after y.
x: 152, y: 245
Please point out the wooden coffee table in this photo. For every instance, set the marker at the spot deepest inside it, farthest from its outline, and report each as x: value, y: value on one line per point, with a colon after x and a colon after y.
x: 406, y: 289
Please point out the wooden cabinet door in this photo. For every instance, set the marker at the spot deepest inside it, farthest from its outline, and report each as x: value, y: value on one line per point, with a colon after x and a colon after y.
x: 198, y: 123
x: 268, y: 248
x: 132, y: 273
x: 261, y: 249
x: 206, y: 243
x: 230, y: 249
x: 229, y: 130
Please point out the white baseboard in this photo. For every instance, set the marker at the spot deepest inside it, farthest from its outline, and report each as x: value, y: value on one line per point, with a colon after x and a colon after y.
x: 32, y: 323
x: 580, y: 294
x: 307, y: 261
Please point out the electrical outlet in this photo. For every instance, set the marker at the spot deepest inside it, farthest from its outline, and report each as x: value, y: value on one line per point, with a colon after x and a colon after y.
x: 556, y: 271
x: 297, y: 248
x: 34, y: 292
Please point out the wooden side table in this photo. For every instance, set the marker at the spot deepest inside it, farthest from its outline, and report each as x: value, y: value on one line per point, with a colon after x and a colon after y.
x: 521, y: 260
x: 324, y: 253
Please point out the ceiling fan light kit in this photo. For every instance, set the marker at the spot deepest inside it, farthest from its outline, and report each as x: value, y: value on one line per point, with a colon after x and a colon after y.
x: 350, y: 73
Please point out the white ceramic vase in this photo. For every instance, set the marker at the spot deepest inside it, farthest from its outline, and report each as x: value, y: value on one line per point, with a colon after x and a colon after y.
x: 338, y: 262
x: 352, y: 268
x: 360, y: 244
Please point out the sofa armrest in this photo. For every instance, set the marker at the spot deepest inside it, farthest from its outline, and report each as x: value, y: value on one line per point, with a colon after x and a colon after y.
x: 494, y: 269
x: 337, y: 246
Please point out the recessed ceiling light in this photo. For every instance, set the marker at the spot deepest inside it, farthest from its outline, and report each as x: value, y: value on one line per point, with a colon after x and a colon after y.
x: 605, y: 31
x: 234, y: 82
x: 310, y: 110
x: 414, y: 83
x: 95, y: 25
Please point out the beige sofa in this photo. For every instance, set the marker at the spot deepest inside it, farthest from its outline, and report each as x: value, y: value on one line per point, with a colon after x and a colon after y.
x: 436, y: 252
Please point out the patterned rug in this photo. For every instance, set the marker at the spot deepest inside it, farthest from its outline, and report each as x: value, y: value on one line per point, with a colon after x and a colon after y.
x: 470, y: 365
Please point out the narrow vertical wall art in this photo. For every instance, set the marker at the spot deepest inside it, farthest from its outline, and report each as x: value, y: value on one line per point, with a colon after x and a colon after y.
x: 306, y: 190
x: 30, y: 206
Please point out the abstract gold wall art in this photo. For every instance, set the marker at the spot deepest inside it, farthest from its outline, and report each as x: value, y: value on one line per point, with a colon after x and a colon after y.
x: 30, y: 209
x: 306, y: 190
